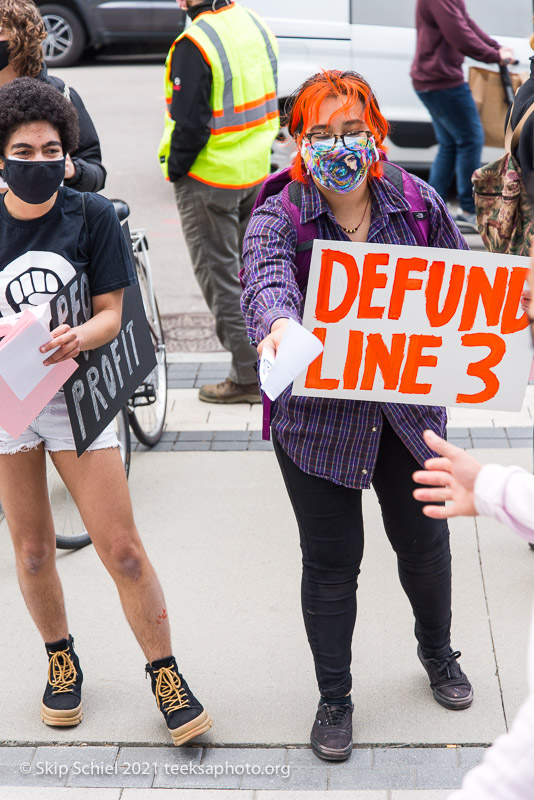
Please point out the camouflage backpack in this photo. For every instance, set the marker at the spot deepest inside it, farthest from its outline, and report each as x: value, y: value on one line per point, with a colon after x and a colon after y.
x: 504, y: 214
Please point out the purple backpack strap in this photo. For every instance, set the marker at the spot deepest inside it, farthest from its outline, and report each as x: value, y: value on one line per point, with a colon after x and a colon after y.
x: 417, y: 218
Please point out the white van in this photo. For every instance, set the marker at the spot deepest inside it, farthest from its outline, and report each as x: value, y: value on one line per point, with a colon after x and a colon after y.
x: 377, y: 39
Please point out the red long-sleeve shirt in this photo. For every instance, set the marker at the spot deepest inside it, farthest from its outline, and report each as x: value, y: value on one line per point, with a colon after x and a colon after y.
x: 446, y: 34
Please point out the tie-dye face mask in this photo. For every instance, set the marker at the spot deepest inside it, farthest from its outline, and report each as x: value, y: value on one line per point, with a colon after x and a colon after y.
x: 338, y: 168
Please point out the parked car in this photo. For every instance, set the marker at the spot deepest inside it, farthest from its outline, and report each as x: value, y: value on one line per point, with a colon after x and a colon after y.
x: 74, y: 25
x: 378, y: 40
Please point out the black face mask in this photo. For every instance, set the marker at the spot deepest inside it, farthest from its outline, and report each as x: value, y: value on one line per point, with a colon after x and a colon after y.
x: 4, y: 55
x: 33, y: 181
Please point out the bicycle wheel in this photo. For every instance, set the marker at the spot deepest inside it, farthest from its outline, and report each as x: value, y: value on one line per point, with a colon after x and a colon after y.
x: 70, y: 531
x: 148, y: 405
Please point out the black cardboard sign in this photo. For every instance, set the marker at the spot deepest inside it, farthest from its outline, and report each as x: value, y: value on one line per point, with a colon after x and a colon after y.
x: 108, y: 376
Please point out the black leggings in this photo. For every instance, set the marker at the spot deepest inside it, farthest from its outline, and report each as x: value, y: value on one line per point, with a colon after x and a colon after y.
x: 331, y: 538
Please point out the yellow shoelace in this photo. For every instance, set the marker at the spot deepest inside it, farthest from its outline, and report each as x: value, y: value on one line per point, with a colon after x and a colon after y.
x: 169, y: 691
x: 61, y: 672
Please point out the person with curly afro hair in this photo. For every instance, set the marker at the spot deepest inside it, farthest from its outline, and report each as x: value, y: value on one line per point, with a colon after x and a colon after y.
x: 49, y: 234
x: 22, y: 32
x: 26, y: 100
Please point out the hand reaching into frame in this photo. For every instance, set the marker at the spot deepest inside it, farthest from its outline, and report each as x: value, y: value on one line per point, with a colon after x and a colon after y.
x: 450, y: 478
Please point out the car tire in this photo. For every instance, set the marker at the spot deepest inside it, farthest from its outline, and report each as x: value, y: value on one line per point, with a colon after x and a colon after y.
x: 66, y: 37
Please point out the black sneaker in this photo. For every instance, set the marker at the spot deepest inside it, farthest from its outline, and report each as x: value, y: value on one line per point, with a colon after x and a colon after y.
x: 184, y: 715
x: 62, y: 700
x: 331, y: 736
x: 450, y: 686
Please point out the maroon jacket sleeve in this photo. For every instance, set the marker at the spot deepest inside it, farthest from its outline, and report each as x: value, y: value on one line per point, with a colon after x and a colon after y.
x: 462, y: 33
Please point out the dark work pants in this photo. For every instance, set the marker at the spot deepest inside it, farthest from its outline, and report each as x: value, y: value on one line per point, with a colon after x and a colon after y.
x: 331, y: 537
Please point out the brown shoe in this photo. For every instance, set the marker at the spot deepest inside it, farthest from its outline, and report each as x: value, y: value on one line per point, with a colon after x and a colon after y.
x: 230, y: 392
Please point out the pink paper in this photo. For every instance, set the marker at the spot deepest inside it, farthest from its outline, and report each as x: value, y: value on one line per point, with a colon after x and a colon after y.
x: 15, y: 414
x: 531, y: 376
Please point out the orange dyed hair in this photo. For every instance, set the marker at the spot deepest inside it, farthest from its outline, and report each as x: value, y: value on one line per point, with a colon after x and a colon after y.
x: 302, y: 109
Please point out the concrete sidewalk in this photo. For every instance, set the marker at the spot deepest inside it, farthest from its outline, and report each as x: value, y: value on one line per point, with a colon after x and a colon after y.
x: 220, y: 531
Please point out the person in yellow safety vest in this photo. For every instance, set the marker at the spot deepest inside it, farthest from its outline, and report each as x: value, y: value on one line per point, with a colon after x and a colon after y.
x: 222, y: 117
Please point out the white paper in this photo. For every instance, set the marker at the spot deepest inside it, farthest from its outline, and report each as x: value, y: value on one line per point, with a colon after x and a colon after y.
x: 295, y: 353
x: 21, y: 362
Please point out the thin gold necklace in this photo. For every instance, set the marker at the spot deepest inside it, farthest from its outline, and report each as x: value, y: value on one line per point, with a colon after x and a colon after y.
x: 353, y: 230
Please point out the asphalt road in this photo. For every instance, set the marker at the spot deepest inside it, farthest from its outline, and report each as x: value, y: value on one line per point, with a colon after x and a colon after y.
x: 126, y: 101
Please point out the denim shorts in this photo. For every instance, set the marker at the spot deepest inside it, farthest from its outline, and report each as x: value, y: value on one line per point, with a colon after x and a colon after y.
x: 52, y: 427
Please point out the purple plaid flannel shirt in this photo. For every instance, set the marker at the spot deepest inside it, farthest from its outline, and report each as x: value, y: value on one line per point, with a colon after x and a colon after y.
x: 334, y: 439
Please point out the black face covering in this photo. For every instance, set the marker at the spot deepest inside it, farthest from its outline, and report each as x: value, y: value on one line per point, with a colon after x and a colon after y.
x: 33, y: 181
x: 4, y: 55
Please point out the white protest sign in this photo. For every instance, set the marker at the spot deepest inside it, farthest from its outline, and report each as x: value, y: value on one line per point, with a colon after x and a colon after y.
x: 417, y: 325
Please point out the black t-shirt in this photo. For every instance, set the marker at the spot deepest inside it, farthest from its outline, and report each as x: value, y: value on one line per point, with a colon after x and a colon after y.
x: 39, y: 256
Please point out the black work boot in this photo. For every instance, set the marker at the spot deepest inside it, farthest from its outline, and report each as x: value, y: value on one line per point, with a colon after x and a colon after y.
x: 450, y: 686
x: 62, y: 700
x: 331, y: 736
x: 184, y: 715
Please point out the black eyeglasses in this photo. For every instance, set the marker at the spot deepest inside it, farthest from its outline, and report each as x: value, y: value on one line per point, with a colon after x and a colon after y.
x: 327, y: 141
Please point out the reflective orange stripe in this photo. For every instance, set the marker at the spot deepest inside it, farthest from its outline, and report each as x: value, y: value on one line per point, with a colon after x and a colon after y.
x: 204, y: 54
x: 245, y: 125
x: 227, y: 185
x: 254, y: 103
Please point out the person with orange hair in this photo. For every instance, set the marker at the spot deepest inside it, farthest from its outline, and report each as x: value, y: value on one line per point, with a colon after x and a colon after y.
x: 331, y: 449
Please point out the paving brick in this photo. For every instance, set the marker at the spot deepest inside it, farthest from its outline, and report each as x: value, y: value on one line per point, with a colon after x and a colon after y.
x: 228, y: 436
x: 456, y: 432
x: 182, y: 383
x: 485, y: 442
x: 195, y: 436
x: 189, y: 794
x: 471, y: 756
x: 12, y: 759
x: 229, y: 446
x: 162, y: 446
x: 297, y: 780
x: 521, y: 442
x: 464, y: 443
x: 305, y: 757
x: 514, y: 432
x: 432, y: 794
x: 384, y: 778
x: 169, y: 436
x: 431, y: 757
x: 311, y: 795
x: 90, y: 765
x: 488, y: 433
x: 194, y: 777
x: 260, y: 445
x: 162, y: 755
x: 251, y: 756
x: 429, y: 778
x: 190, y: 446
x: 57, y: 793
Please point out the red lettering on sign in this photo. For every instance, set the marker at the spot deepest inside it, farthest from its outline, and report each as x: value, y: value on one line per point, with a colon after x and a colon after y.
x: 372, y: 280
x: 377, y: 356
x: 354, y: 360
x: 492, y: 295
x: 482, y: 369
x: 509, y: 322
x: 403, y: 283
x: 415, y: 359
x: 313, y: 376
x: 433, y: 291
x: 323, y: 312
